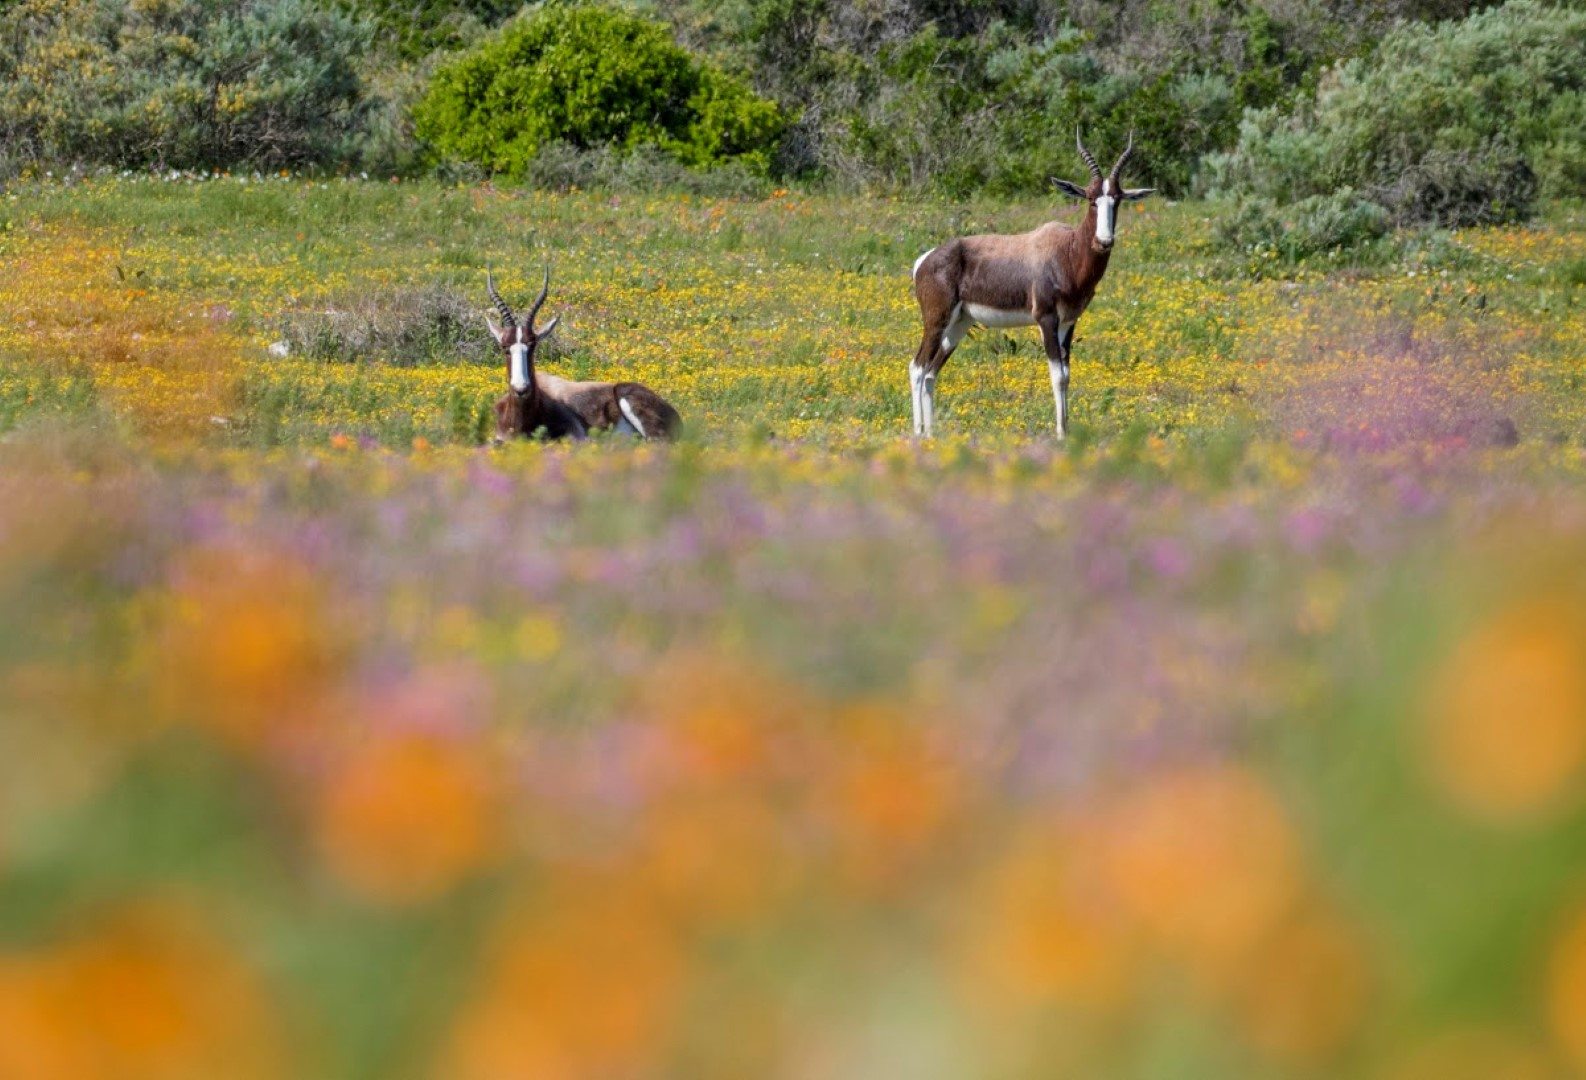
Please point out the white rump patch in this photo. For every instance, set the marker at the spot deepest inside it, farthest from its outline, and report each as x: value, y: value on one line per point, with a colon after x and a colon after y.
x: 627, y: 411
x: 998, y: 317
x: 916, y: 271
x: 957, y: 326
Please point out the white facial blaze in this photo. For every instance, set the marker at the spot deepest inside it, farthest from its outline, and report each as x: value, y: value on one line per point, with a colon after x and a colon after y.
x: 1106, y: 213
x: 520, y: 366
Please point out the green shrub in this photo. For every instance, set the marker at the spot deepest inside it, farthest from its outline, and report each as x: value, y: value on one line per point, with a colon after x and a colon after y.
x: 1312, y: 226
x: 1463, y: 123
x: 591, y: 77
x: 997, y: 112
x: 180, y: 83
x: 966, y: 96
x: 414, y: 28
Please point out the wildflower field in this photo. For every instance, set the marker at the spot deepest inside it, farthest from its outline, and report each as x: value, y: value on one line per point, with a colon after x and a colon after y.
x: 1243, y: 735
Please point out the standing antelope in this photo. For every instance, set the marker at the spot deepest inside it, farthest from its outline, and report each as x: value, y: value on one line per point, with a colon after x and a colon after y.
x: 559, y: 407
x: 1045, y: 277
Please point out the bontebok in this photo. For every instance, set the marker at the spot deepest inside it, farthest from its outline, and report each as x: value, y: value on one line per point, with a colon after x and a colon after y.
x: 556, y: 408
x: 1045, y: 278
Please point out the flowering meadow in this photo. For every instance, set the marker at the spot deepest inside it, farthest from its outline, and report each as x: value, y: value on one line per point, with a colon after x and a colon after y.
x: 1243, y: 735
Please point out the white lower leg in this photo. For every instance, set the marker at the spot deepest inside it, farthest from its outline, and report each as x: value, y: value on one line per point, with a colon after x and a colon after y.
x: 928, y: 402
x: 914, y: 393
x: 1058, y: 370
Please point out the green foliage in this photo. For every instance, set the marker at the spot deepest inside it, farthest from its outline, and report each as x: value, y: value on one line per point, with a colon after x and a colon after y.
x: 998, y: 112
x: 415, y: 28
x: 1465, y: 123
x: 180, y: 83
x: 966, y: 96
x: 591, y: 77
x: 1312, y: 226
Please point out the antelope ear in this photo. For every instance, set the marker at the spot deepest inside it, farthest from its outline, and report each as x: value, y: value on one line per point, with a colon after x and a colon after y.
x: 1068, y: 187
x: 1134, y: 194
x: 495, y: 331
x: 545, y: 331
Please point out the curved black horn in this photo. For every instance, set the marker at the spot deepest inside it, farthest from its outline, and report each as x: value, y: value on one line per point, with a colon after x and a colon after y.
x: 507, y: 318
x: 1123, y: 157
x: 540, y: 300
x: 1095, y: 170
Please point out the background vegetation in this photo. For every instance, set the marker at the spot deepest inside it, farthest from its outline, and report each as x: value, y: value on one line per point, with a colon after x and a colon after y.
x: 591, y: 77
x: 1459, y: 124
x: 186, y: 84
x: 1324, y: 124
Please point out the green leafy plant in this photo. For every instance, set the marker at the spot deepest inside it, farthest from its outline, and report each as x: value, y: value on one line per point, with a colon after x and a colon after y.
x: 590, y: 77
x: 180, y: 83
x: 1458, y: 124
x: 414, y: 28
x: 1312, y: 226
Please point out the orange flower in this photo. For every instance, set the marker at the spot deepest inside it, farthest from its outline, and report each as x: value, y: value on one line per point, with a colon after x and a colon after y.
x: 1505, y: 713
x: 584, y: 985
x: 1205, y: 860
x: 712, y: 858
x: 891, y: 787
x: 891, y: 796
x: 1566, y: 990
x: 1038, y: 935
x: 146, y: 994
x: 33, y: 1040
x: 718, y: 715
x: 405, y: 820
x: 247, y: 646
x: 1303, y: 991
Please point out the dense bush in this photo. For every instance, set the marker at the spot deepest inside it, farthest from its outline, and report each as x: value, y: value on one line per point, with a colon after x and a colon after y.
x: 1312, y: 226
x: 414, y: 28
x: 997, y: 112
x: 180, y: 83
x: 590, y: 77
x: 1464, y: 123
x: 969, y: 95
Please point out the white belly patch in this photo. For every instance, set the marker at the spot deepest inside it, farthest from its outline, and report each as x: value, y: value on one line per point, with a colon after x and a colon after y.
x: 998, y: 317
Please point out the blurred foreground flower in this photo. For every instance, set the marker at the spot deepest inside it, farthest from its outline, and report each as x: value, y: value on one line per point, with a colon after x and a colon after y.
x: 405, y: 819
x: 1505, y: 713
x: 1206, y: 861
x: 248, y: 644
x: 1303, y: 990
x: 145, y: 993
x: 584, y: 982
x: 1566, y: 990
x: 1040, y: 932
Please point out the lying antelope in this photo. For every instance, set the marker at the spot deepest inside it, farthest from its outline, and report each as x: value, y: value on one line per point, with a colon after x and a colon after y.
x: 558, y: 408
x: 1045, y: 277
